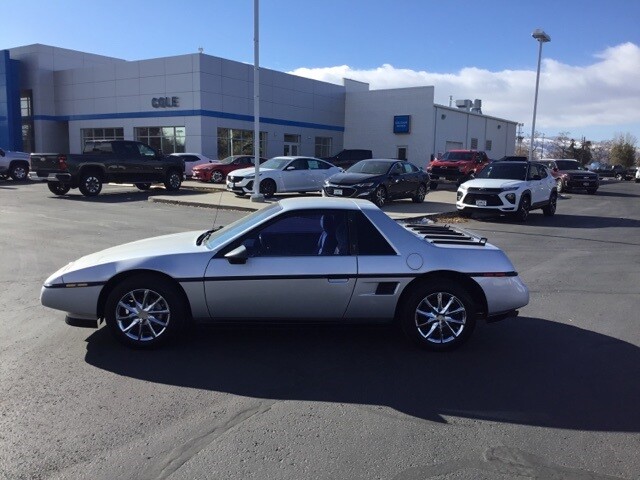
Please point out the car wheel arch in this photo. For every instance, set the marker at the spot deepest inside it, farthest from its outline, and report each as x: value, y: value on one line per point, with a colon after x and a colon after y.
x: 462, y: 279
x: 120, y: 277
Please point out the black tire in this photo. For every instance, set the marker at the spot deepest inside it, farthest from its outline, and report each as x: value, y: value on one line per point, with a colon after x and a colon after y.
x: 217, y: 176
x: 58, y: 188
x: 619, y: 176
x: 90, y: 184
x: 433, y: 185
x: 268, y: 188
x: 592, y: 191
x: 173, y: 181
x: 523, y: 208
x: 19, y: 171
x: 424, y: 318
x: 379, y: 196
x: 157, y: 312
x: 143, y: 186
x: 420, y: 194
x: 550, y: 209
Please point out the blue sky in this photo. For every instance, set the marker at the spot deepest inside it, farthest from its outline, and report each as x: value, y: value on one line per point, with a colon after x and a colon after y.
x: 590, y: 83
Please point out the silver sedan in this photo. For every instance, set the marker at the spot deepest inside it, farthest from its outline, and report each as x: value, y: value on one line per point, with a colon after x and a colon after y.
x: 302, y: 260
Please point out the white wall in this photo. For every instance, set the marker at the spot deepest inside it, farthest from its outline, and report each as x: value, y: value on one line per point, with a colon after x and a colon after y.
x: 369, y: 121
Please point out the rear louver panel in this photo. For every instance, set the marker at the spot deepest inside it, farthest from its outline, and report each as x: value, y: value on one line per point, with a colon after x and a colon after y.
x: 445, y: 235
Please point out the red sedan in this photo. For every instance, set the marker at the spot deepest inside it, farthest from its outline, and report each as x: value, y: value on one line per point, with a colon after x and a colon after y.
x: 217, y: 172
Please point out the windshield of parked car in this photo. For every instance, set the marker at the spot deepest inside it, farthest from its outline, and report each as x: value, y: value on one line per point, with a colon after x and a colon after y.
x: 457, y: 156
x: 276, y: 163
x: 507, y: 171
x: 569, y: 165
x: 220, y: 237
x: 370, y: 167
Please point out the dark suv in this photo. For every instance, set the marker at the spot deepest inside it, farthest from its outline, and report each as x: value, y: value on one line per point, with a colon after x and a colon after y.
x: 348, y: 157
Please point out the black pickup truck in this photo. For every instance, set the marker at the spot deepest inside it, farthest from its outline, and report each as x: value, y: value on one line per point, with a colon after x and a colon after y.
x: 107, y: 161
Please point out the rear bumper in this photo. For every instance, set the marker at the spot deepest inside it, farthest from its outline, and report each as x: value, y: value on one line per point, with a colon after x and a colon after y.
x: 51, y: 177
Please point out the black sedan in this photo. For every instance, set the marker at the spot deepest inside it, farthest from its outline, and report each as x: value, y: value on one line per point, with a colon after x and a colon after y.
x: 379, y: 180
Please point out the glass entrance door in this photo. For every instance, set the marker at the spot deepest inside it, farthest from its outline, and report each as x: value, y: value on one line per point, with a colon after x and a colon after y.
x: 291, y: 145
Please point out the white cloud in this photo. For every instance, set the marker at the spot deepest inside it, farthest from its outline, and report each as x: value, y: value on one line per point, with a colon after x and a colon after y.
x: 605, y: 93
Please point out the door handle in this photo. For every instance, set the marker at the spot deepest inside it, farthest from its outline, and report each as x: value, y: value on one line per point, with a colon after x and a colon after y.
x: 338, y: 279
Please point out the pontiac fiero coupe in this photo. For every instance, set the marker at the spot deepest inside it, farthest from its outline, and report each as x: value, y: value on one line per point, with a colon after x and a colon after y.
x: 298, y: 260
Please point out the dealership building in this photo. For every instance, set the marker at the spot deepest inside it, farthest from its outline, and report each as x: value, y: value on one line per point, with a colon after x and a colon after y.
x: 54, y: 100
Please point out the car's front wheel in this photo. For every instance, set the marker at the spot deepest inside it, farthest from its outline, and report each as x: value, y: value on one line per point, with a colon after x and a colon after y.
x: 90, y: 184
x: 58, y: 188
x: 379, y: 196
x: 550, y: 209
x: 438, y: 315
x: 144, y: 311
x: 19, y: 172
x: 420, y: 194
x: 523, y: 209
x: 217, y: 176
x: 173, y: 181
x: 268, y: 188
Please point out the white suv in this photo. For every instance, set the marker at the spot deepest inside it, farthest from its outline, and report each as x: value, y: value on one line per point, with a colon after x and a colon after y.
x: 509, y: 187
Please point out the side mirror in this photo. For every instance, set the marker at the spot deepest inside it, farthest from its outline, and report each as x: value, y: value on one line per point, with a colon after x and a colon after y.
x: 237, y: 256
x: 290, y: 167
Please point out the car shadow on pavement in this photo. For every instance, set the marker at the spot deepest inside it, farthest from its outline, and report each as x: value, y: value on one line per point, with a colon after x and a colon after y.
x: 122, y: 197
x: 524, y: 371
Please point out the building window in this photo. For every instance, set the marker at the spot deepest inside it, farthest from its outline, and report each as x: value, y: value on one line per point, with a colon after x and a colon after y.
x: 92, y: 134
x: 232, y: 141
x: 488, y: 146
x: 474, y: 144
x: 323, y: 147
x: 26, y: 114
x: 165, y: 139
x: 291, y: 144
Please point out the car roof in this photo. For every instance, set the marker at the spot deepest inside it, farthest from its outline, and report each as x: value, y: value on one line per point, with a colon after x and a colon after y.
x: 326, y: 202
x: 390, y: 160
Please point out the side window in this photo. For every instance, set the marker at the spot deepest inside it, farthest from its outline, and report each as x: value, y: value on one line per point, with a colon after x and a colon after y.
x: 533, y: 171
x: 408, y: 168
x: 146, y: 151
x: 298, y: 164
x: 318, y: 165
x: 543, y: 171
x: 370, y: 240
x: 310, y: 233
x: 397, y: 169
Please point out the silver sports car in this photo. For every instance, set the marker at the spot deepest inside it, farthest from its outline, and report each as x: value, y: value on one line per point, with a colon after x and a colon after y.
x: 298, y: 260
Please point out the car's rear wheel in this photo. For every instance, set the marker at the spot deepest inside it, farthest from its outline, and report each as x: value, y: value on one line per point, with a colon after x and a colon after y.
x: 217, y: 176
x: 143, y: 186
x: 550, y: 209
x: 19, y: 171
x: 380, y: 196
x: 420, y: 194
x: 90, y: 184
x: 438, y: 315
x: 173, y: 181
x: 523, y: 209
x: 144, y: 311
x: 268, y: 188
x: 58, y: 188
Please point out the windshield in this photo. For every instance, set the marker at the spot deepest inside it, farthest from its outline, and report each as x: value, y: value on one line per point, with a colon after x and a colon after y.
x: 225, y: 234
x: 276, y: 163
x: 457, y: 156
x: 370, y: 167
x: 568, y: 165
x: 507, y: 171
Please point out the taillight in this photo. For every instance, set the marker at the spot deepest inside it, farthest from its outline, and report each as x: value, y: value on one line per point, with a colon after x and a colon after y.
x: 62, y: 162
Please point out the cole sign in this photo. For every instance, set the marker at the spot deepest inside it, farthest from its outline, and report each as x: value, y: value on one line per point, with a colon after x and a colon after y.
x: 164, y: 102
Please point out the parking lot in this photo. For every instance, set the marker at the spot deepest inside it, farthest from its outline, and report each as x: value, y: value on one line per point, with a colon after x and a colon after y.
x: 551, y: 394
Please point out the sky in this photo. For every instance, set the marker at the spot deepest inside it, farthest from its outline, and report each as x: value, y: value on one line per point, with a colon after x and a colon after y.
x: 590, y: 71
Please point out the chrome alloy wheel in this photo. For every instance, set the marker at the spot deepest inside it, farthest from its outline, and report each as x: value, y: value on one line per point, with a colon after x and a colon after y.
x: 440, y: 317
x: 92, y: 184
x: 142, y: 315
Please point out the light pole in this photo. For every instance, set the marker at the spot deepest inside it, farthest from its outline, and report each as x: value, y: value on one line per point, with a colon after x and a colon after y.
x: 256, y: 196
x: 541, y: 37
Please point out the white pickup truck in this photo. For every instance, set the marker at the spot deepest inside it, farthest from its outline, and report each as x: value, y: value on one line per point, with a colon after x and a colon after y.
x: 14, y: 165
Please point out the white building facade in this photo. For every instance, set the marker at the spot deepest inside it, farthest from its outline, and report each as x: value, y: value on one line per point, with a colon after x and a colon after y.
x: 54, y: 99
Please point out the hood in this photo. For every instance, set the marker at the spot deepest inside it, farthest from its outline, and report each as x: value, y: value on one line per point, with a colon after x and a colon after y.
x: 492, y: 183
x: 579, y: 172
x: 207, y: 166
x: 243, y: 172
x: 448, y: 163
x: 177, y: 243
x: 348, y: 178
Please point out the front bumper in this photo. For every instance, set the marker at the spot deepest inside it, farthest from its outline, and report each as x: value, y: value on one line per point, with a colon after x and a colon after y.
x: 242, y: 185
x: 348, y: 191
x: 504, y: 295
x: 488, y: 200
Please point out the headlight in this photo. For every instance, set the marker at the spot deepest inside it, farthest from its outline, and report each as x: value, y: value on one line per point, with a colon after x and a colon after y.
x: 510, y: 189
x: 511, y: 197
x: 364, y: 185
x: 251, y: 175
x: 459, y: 195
